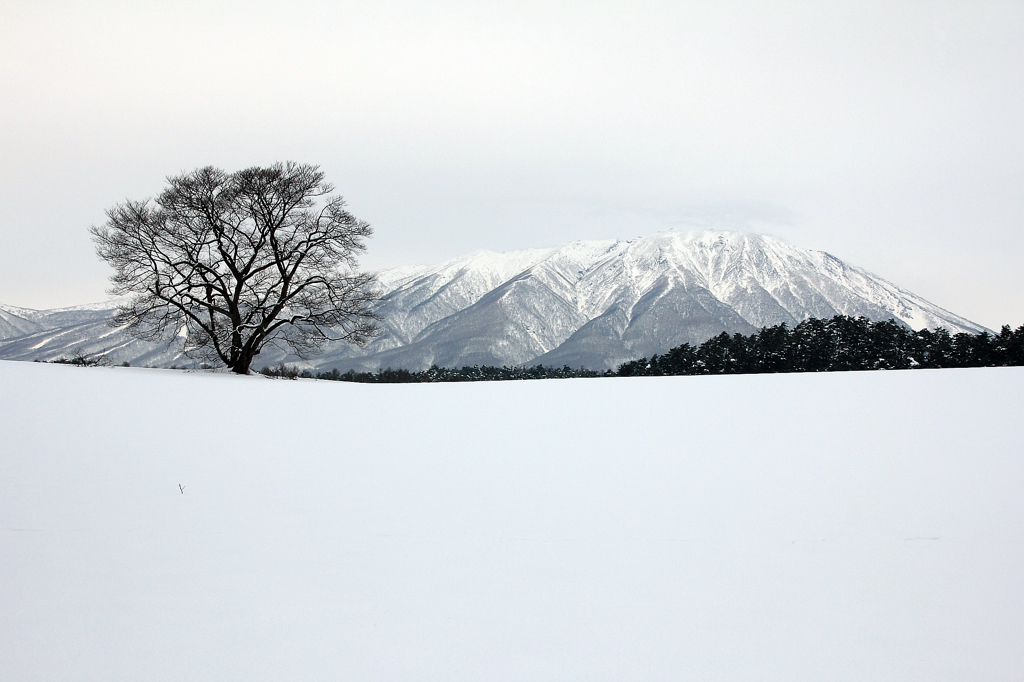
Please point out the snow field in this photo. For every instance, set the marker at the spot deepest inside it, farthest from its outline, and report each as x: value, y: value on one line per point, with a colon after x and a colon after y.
x: 843, y: 526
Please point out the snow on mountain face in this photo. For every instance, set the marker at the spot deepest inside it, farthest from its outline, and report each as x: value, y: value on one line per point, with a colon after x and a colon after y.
x: 13, y: 322
x: 589, y: 303
x: 600, y: 303
x: 66, y: 332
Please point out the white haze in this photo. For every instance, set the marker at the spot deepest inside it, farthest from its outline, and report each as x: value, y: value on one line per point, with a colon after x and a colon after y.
x: 885, y: 133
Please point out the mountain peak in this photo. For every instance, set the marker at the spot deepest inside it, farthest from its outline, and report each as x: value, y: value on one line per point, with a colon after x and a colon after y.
x: 593, y: 303
x: 601, y: 302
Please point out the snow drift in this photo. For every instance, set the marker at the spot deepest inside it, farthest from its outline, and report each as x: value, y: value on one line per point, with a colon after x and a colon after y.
x: 840, y: 526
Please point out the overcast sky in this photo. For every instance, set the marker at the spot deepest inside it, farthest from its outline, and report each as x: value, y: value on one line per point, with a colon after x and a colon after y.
x: 890, y: 135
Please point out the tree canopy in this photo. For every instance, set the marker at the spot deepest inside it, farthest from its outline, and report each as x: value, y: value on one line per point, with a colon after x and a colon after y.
x: 229, y: 263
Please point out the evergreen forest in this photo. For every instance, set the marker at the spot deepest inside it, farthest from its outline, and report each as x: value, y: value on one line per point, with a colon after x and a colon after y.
x: 839, y: 344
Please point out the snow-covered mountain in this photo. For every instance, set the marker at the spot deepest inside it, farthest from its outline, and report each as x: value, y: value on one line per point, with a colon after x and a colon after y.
x: 83, y: 329
x: 16, y: 322
x: 589, y: 303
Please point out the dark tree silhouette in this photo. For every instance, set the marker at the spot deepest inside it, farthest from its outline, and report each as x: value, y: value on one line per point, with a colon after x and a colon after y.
x: 228, y: 263
x: 841, y: 343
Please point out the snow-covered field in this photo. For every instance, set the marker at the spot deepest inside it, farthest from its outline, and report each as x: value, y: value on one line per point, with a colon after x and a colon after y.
x: 856, y: 526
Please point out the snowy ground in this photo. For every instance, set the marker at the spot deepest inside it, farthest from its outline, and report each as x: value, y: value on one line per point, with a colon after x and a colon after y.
x: 854, y: 526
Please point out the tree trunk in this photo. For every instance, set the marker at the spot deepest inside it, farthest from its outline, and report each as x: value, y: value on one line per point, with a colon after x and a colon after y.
x: 241, y: 365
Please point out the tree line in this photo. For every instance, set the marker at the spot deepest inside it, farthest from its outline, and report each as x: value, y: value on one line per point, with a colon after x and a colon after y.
x: 437, y: 374
x: 839, y: 344
x: 842, y: 343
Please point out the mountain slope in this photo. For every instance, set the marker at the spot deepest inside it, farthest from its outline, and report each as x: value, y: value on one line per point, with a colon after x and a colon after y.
x: 600, y: 303
x: 589, y: 303
x: 13, y: 322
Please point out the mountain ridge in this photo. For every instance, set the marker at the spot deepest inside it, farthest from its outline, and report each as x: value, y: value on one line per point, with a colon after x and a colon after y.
x: 587, y: 303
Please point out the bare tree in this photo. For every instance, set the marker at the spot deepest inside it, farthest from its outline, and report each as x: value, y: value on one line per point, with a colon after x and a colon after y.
x: 229, y: 263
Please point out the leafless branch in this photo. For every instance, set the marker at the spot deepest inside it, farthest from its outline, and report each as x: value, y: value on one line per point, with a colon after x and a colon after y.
x: 226, y: 264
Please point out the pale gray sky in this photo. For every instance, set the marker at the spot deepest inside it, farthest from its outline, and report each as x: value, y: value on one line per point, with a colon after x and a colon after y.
x: 889, y: 134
